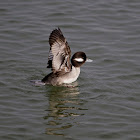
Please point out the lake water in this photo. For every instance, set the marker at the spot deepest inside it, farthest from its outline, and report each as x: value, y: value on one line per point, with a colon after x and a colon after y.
x: 105, y: 104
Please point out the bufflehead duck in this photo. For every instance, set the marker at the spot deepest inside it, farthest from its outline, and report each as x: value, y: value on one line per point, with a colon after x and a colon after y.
x: 64, y: 68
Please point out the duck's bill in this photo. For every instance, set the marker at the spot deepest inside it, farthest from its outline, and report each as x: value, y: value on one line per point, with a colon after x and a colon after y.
x: 89, y: 60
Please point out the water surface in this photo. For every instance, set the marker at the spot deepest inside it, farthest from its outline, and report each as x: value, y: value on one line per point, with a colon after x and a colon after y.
x: 105, y: 104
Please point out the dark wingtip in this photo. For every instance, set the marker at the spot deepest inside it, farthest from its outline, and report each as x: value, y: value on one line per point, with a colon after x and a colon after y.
x: 59, y: 29
x: 49, y: 64
x: 56, y: 34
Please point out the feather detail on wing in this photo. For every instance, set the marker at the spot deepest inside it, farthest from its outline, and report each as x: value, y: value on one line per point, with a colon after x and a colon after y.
x: 50, y: 58
x: 60, y: 53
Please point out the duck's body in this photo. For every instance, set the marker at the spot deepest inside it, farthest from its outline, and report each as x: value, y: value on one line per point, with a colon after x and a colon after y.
x: 63, y: 70
x: 58, y: 79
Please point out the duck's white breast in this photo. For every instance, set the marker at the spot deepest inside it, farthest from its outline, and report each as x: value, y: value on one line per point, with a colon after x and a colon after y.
x: 72, y: 76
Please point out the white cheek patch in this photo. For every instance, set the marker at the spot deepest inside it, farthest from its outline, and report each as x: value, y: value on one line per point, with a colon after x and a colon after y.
x: 79, y: 59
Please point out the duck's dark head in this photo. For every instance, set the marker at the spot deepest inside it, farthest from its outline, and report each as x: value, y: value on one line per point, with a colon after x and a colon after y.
x: 78, y: 59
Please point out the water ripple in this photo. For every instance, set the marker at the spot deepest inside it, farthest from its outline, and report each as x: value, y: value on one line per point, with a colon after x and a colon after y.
x: 105, y: 102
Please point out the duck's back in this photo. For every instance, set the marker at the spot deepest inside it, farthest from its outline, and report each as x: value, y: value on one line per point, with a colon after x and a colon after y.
x: 50, y: 79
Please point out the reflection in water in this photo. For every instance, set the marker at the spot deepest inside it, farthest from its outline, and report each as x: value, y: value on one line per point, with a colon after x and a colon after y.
x: 63, y: 107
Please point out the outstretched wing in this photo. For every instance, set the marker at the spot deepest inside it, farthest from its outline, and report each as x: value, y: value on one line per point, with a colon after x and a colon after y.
x: 60, y: 53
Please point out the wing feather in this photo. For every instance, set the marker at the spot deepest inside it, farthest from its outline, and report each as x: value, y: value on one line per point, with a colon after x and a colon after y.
x: 60, y: 53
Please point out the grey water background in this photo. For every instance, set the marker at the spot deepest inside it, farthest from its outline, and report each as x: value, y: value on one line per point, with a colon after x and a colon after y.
x: 106, y: 103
